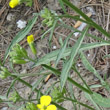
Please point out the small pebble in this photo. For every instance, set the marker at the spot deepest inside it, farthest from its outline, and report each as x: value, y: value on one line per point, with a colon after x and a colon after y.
x: 78, y: 65
x: 4, y: 108
x: 21, y: 24
x: 10, y: 17
x: 24, y: 71
x: 88, y: 55
x: 80, y: 28
x: 54, y: 47
x: 90, y: 9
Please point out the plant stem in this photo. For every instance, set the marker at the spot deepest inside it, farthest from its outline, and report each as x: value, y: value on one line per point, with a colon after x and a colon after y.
x: 36, y: 90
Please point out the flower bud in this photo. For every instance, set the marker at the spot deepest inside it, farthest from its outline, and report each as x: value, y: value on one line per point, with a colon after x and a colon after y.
x: 15, y: 97
x: 19, y: 61
x: 4, y: 69
x: 48, y: 17
x: 4, y: 73
x: 18, y: 55
x: 14, y: 3
x: 24, y: 52
x: 30, y: 40
x: 31, y: 106
x: 12, y: 53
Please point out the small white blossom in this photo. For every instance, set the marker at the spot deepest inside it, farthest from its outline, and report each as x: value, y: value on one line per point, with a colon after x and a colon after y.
x: 21, y: 24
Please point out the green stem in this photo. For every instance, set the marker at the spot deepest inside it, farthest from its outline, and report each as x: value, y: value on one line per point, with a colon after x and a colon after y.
x: 36, y: 90
x: 79, y: 103
x: 74, y: 68
x: 20, y: 100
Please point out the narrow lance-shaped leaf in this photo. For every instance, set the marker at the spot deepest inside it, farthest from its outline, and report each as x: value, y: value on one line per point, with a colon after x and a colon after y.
x: 89, y: 97
x: 21, y: 35
x: 69, y: 62
x: 11, y: 86
x: 63, y: 48
x: 102, y: 101
x: 52, y: 31
x: 38, y: 82
x: 89, y: 67
x: 62, y: 5
x: 43, y: 35
x: 89, y: 35
x: 58, y: 73
x: 53, y: 55
x: 99, y: 28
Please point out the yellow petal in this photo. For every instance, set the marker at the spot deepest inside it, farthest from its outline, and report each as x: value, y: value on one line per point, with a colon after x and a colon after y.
x: 14, y: 3
x: 51, y: 107
x: 40, y: 106
x: 30, y: 39
x: 45, y: 100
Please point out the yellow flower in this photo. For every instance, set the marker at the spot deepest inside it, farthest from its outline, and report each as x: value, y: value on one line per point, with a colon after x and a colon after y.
x: 45, y: 103
x: 51, y: 107
x: 30, y: 39
x: 14, y: 3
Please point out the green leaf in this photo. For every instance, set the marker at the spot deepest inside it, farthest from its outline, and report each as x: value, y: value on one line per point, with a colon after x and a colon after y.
x: 89, y: 97
x: 72, y: 96
x: 102, y: 101
x: 85, y: 105
x: 74, y: 17
x: 50, y: 88
x: 58, y: 73
x: 12, y: 84
x: 62, y: 5
x: 58, y: 106
x: 75, y: 69
x: 21, y: 35
x: 53, y: 55
x: 46, y: 32
x: 36, y: 90
x: 99, y: 28
x: 92, y: 45
x: 0, y: 62
x: 69, y: 62
x: 57, y: 95
x: 63, y: 48
x: 52, y: 31
x: 38, y: 82
x: 89, y: 67
x: 89, y: 35
x: 27, y: 2
x: 95, y: 86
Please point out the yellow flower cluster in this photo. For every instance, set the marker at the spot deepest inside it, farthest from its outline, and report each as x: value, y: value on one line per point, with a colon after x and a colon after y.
x: 45, y: 104
x: 14, y: 3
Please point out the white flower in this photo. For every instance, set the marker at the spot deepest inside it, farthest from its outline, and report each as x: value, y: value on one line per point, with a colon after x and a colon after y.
x: 21, y: 24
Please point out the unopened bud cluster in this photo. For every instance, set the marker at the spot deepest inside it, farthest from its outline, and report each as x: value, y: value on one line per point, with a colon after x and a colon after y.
x: 15, y: 97
x: 4, y: 73
x: 48, y: 17
x: 18, y: 55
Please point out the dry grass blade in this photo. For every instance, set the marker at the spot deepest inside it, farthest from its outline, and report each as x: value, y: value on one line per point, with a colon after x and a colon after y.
x: 36, y: 5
